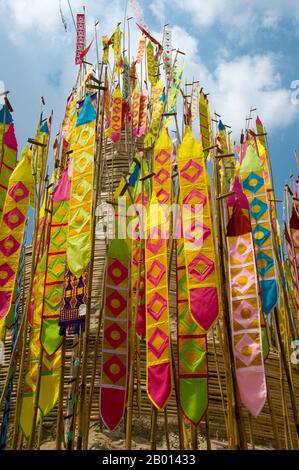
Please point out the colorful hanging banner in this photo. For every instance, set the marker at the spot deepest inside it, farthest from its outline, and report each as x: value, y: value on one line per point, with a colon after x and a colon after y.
x: 139, y: 14
x: 238, y: 197
x: 115, y: 347
x: 55, y: 266
x: 143, y: 113
x: 162, y: 167
x: 107, y: 99
x: 252, y: 175
x: 141, y: 49
x: 74, y: 299
x: 174, y: 96
x: 136, y: 109
x: 158, y: 102
x: 116, y: 118
x: 15, y: 326
x: 262, y: 152
x: 40, y: 152
x: 20, y: 188
x: 105, y: 43
x: 81, y: 37
x: 195, y: 101
x: 141, y: 199
x: 294, y: 229
x: 245, y: 313
x: 293, y: 269
x: 199, y: 249
x: 158, y: 349
x: 192, y: 350
x: 116, y: 41
x: 167, y: 55
x: 126, y: 79
x: 50, y: 367
x: 205, y: 124
x: 79, y: 232
x: 8, y: 160
x: 150, y: 56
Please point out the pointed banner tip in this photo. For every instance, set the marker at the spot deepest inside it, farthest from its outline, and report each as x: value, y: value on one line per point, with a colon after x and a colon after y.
x: 44, y: 127
x: 5, y: 114
x: 221, y: 126
x: 10, y: 139
x: 258, y: 121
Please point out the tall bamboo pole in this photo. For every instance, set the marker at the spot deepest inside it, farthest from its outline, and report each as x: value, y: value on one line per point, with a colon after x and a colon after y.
x: 23, y: 331
x: 36, y: 400
x: 153, y: 437
x: 59, y: 435
x: 236, y: 411
x: 129, y: 417
x: 286, y: 371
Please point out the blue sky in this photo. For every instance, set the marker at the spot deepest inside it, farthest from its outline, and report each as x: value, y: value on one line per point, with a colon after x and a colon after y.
x: 245, y: 53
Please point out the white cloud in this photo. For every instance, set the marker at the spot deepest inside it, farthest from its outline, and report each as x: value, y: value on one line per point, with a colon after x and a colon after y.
x: 241, y: 15
x: 40, y: 45
x: 252, y: 81
x: 42, y: 18
x: 238, y: 84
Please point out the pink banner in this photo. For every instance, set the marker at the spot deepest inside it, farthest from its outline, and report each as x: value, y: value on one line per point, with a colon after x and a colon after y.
x: 81, y: 35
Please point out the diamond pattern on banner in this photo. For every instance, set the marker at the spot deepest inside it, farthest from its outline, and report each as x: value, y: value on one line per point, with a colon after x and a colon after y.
x: 55, y: 266
x: 13, y: 218
x: 156, y: 306
x: 191, y: 171
x: 116, y: 303
x: 79, y: 239
x: 15, y: 204
x: 198, y: 247
x: 192, y: 350
x: 18, y: 192
x: 255, y: 190
x: 292, y: 244
x: 158, y: 342
x: 245, y: 315
x: 6, y: 274
x: 9, y: 245
x: 114, y: 369
x: 115, y: 347
x: 158, y: 354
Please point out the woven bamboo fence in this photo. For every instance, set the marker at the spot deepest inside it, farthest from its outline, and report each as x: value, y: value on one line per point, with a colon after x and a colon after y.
x: 262, y: 426
x: 115, y: 165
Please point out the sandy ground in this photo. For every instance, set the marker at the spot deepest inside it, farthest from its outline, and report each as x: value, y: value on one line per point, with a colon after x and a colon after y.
x: 106, y: 440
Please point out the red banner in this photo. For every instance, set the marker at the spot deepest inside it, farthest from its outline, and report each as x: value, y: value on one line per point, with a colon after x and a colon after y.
x: 81, y: 34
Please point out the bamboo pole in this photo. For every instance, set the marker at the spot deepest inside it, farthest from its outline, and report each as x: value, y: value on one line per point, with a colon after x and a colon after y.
x: 208, y: 439
x: 153, y: 437
x: 40, y: 434
x: 220, y: 384
x: 36, y: 400
x: 194, y: 437
x: 59, y: 435
x: 251, y: 432
x: 166, y: 428
x: 73, y: 393
x: 287, y: 371
x: 272, y: 416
